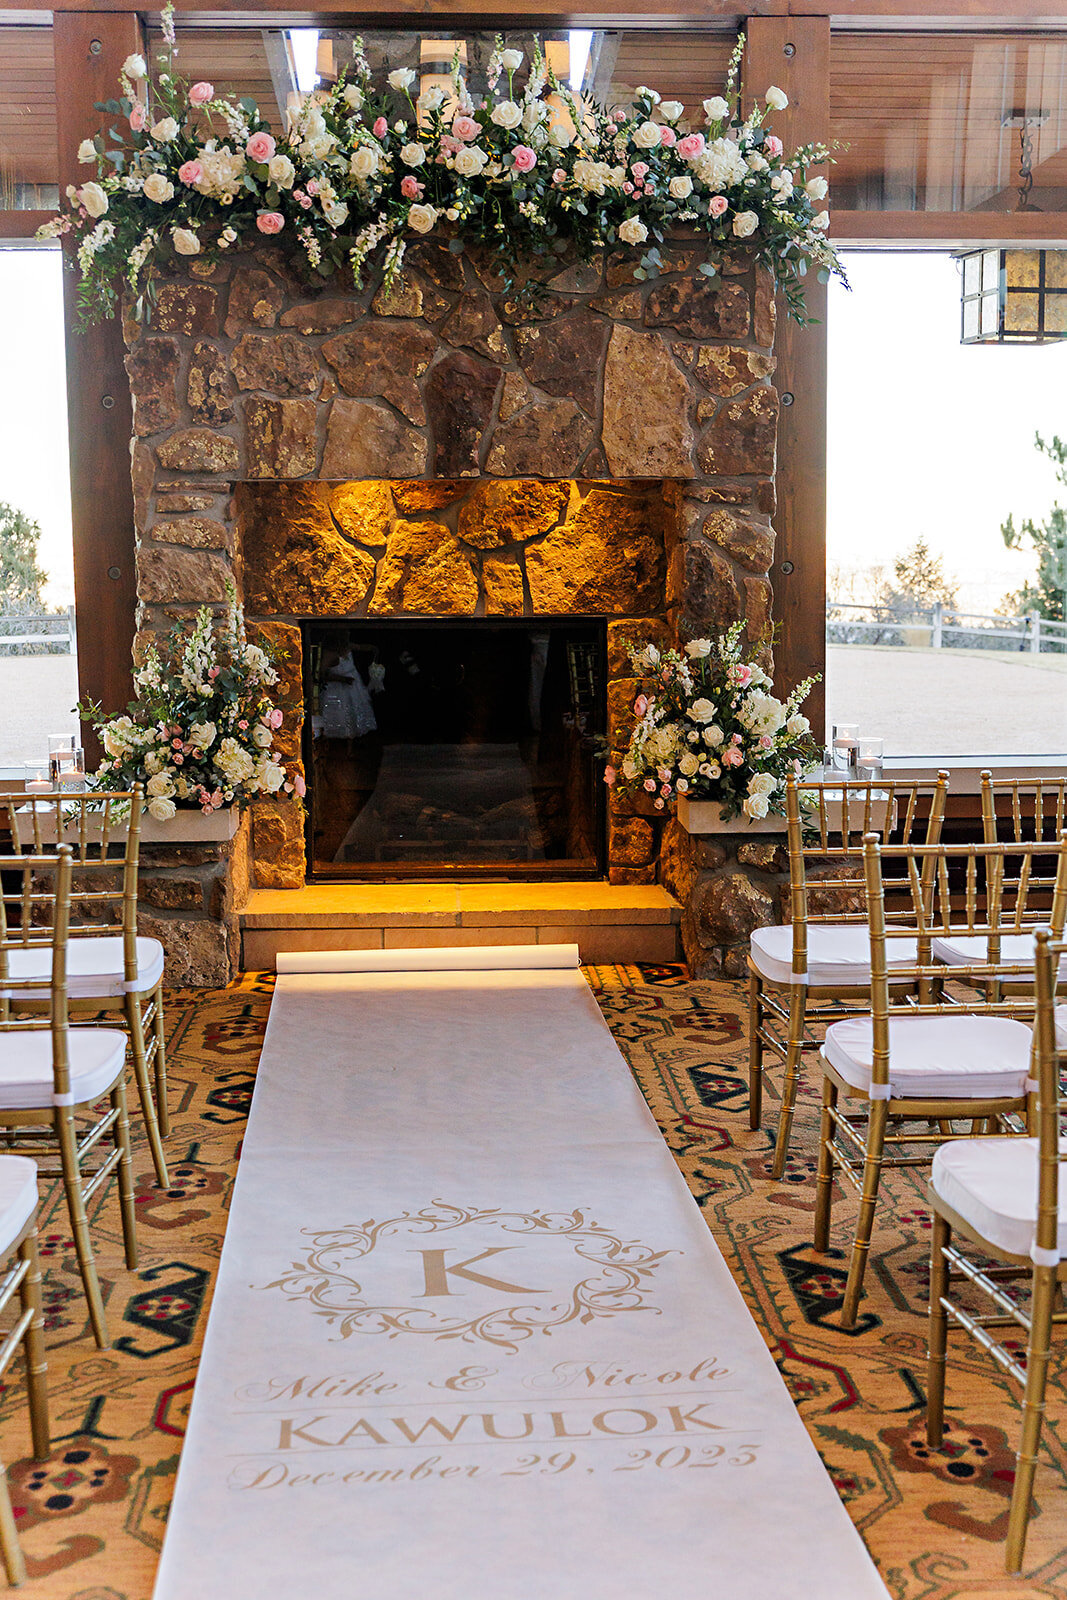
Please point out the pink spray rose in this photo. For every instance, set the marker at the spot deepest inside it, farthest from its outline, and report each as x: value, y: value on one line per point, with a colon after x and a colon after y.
x: 639, y: 169
x: 270, y: 222
x: 523, y: 158
x: 465, y: 127
x: 659, y: 804
x: 732, y: 757
x: 260, y: 147
x: 667, y: 136
x: 201, y: 93
x: 381, y: 128
x: 276, y: 718
x: 138, y: 117
x: 312, y: 186
x: 741, y: 674
x: 299, y: 785
x: 691, y: 146
x: 627, y: 188
x: 609, y: 776
x: 190, y: 172
x: 717, y: 205
x: 640, y: 705
x: 410, y: 187
x: 773, y: 145
x: 650, y: 785
x: 559, y: 176
x: 765, y: 741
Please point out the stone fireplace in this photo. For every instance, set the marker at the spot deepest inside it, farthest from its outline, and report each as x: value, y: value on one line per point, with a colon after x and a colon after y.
x: 605, y: 452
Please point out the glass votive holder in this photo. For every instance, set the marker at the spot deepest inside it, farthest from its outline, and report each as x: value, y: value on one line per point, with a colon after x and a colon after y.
x: 72, y: 769
x: 60, y: 751
x: 869, y: 757
x: 845, y: 745
x: 35, y: 781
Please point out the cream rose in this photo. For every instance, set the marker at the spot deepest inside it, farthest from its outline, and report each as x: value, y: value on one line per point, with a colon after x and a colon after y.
x: 816, y: 188
x: 776, y: 98
x: 506, y: 114
x: 469, y: 161
x: 646, y: 135
x: 202, y: 735
x: 745, y: 223
x: 672, y: 109
x: 165, y: 130
x: 511, y: 60
x: 94, y: 199
x: 86, y: 151
x: 681, y: 188
x: 134, y: 67
x: 281, y: 172
x: 697, y: 649
x: 158, y: 188
x: 422, y: 218
x: 756, y: 807
x: 161, y: 784
x: 632, y: 231
x: 186, y: 242
x: 353, y: 96
x: 161, y: 808
x: 716, y: 108
x: 413, y: 155
x: 365, y: 162
x: 335, y: 213
x: 401, y: 79
x: 701, y: 711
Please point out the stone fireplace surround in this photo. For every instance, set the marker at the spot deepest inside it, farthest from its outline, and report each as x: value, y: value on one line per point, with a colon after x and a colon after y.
x: 608, y: 451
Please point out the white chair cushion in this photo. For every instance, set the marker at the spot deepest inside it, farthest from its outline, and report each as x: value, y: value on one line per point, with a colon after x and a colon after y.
x: 26, y: 1079
x: 1061, y: 1027
x: 972, y: 950
x: 992, y: 1185
x: 18, y: 1197
x: 839, y: 954
x: 930, y: 1058
x: 94, y: 968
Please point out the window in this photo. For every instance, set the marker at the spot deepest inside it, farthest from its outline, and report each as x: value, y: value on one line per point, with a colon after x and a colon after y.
x: 28, y: 157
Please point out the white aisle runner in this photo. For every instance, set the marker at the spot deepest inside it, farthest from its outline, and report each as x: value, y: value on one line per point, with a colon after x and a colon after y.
x: 471, y: 1338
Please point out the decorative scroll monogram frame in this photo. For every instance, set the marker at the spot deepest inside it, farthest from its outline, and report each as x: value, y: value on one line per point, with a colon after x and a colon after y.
x: 323, y: 1277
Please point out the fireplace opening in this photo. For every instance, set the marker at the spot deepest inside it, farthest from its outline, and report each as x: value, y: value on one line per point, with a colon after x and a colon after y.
x: 443, y: 748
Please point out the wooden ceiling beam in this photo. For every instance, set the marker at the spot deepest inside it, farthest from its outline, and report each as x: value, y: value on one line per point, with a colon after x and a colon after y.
x: 624, y: 13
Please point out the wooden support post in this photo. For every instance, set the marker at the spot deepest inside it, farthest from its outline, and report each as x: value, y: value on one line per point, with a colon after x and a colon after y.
x: 89, y: 49
x: 794, y: 53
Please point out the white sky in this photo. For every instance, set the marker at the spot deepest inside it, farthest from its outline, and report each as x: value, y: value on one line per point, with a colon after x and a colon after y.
x: 926, y: 436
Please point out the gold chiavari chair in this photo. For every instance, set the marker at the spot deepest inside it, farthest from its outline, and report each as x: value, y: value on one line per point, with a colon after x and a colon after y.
x: 816, y: 967
x: 63, y: 1089
x: 21, y: 1276
x: 110, y: 966
x: 1003, y: 1197
x: 920, y: 1065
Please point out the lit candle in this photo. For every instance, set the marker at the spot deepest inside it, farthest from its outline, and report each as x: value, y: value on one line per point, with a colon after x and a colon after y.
x: 38, y: 785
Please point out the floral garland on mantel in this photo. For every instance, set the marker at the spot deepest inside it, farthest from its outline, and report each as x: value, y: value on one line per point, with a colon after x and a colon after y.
x: 530, y: 171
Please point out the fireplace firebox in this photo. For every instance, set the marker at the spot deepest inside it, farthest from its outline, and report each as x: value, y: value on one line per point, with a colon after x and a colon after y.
x: 448, y: 748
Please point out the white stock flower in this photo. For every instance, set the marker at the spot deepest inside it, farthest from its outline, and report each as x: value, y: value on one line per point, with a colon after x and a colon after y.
x: 697, y: 649
x: 681, y: 188
x: 816, y: 188
x: 134, y: 67
x: 756, y: 807
x: 94, y: 199
x: 511, y: 60
x: 365, y: 161
x: 672, y: 109
x: 646, y: 135
x: 422, y: 218
x: 158, y: 188
x: 506, y: 114
x: 776, y: 98
x: 469, y: 161
x: 86, y: 151
x: 281, y: 172
x: 632, y: 231
x: 413, y: 155
x: 745, y: 223
x: 161, y: 808
x: 401, y: 79
x: 716, y: 108
x: 165, y: 130
x: 119, y: 736
x: 202, y: 735
x: 701, y: 711
x: 161, y: 784
x: 720, y: 164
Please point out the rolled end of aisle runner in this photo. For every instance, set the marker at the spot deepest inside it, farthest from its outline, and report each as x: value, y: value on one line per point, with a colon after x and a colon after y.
x: 459, y: 958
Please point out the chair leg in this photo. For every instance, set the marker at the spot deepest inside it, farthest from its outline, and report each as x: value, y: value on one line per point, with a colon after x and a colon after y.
x: 824, y: 1181
x: 80, y: 1227
x: 1037, y: 1357
x: 33, y: 1348
x: 755, y: 1051
x: 14, y: 1564
x: 125, y: 1174
x: 938, y: 1334
x: 162, y: 1108
x: 135, y: 1024
x: 798, y: 1007
x: 861, y: 1244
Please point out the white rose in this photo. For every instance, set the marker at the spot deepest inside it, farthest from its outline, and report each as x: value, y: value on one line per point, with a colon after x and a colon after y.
x: 701, y: 711
x: 422, y: 218
x: 353, y: 96
x: 681, y: 188
x: 761, y: 783
x: 94, y: 199
x: 202, y: 735
x: 506, y: 114
x: 756, y: 806
x: 797, y: 726
x: 281, y: 171
x: 318, y: 149
x: 335, y: 213
x: 271, y: 777
x: 756, y: 162
x: 632, y: 232
x: 560, y: 135
x: 697, y: 649
x: 672, y: 109
x: 816, y: 188
x: 161, y: 808
x: 776, y: 98
x: 434, y: 98
x: 649, y: 94
x: 689, y: 763
x: 822, y: 220
x: 262, y: 737
x: 153, y: 761
x: 134, y: 67
x: 162, y: 784
x: 646, y: 135
x: 713, y: 736
x: 87, y: 151
x: 716, y: 108
x: 365, y: 162
x: 469, y: 161
x: 165, y: 130
x: 511, y: 60
x: 745, y: 223
x: 158, y: 188
x: 401, y: 79
x: 413, y: 155
x: 186, y: 242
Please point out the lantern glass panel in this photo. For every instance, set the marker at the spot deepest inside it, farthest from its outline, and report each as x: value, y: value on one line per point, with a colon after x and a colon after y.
x: 1022, y: 268
x: 972, y: 274
x: 991, y: 269
x: 1020, y: 313
x: 1056, y: 313
x: 990, y: 313
x: 1056, y: 269
x: 970, y: 319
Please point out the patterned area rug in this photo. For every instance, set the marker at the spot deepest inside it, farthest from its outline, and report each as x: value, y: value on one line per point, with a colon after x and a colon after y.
x: 91, y: 1519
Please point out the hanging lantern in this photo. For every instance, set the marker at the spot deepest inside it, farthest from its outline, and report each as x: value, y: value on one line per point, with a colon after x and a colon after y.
x: 1014, y: 296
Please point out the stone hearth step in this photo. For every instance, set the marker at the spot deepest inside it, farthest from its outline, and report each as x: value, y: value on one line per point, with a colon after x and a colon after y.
x: 608, y: 923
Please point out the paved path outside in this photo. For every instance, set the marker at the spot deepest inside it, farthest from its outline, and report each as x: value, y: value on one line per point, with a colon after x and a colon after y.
x: 36, y: 694
x: 950, y: 702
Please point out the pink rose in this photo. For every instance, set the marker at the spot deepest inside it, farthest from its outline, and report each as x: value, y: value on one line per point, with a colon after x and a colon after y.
x: 270, y: 222
x: 260, y: 147
x: 559, y: 176
x: 640, y: 705
x: 381, y: 128
x: 299, y: 785
x: 410, y: 187
x: 667, y: 136
x: 611, y: 129
x: 177, y: 758
x: 741, y: 675
x: 312, y: 186
x: 201, y: 93
x: 732, y: 757
x: 639, y: 168
x: 766, y: 742
x: 773, y: 145
x: 717, y: 205
x: 666, y: 791
x: 462, y: 127
x: 609, y: 776
x: 214, y: 672
x: 190, y: 172
x: 650, y: 785
x: 691, y: 146
x: 242, y: 724
x: 523, y: 158
x: 627, y: 188
x: 176, y: 743
x: 138, y: 117
x: 276, y: 717
x: 659, y: 804
x: 449, y: 146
